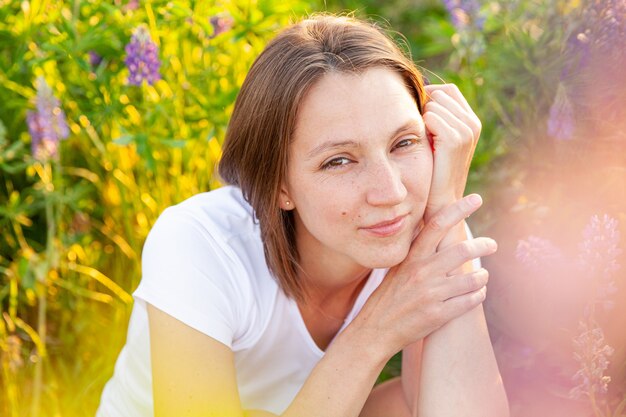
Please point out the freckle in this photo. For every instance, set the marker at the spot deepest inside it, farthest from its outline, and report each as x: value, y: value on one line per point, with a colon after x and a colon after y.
x: 343, y: 213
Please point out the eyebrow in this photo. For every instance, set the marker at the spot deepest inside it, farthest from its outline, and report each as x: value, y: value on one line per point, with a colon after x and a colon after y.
x: 328, y: 145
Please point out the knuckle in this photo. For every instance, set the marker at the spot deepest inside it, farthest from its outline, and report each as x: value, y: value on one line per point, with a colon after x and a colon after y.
x: 468, y: 134
x: 464, y: 249
x: 429, y: 295
x: 437, y: 93
x: 428, y: 116
x: 437, y: 313
x: 478, y: 124
x: 436, y: 223
x: 472, y: 282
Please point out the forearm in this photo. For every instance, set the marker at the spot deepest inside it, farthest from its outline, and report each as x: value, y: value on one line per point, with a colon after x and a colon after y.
x: 341, y: 382
x: 386, y: 400
x: 459, y: 373
x: 411, y: 370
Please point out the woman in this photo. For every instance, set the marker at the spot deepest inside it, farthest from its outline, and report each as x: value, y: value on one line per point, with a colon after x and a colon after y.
x: 339, y: 242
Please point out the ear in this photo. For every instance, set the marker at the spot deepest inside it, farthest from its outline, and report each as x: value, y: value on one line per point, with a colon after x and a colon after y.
x: 285, y: 201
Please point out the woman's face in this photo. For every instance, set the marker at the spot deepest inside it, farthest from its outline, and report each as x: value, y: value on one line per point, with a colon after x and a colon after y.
x: 359, y: 171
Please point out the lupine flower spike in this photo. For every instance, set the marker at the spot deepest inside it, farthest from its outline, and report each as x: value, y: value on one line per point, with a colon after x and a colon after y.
x: 47, y: 124
x: 592, y: 354
x: 536, y: 253
x: 599, y: 254
x: 142, y: 58
x: 94, y: 59
x: 464, y: 14
x: 561, y: 121
x: 605, y: 22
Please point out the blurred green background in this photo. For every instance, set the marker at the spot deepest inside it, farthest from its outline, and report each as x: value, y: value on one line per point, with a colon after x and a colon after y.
x: 73, y: 219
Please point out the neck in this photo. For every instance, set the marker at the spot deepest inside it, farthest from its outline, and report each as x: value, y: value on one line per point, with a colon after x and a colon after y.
x: 332, y: 280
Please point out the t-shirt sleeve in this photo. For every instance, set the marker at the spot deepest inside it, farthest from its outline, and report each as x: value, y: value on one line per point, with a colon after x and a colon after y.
x: 188, y: 273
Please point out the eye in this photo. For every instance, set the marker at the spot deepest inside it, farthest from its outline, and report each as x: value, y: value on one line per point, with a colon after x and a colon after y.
x: 405, y: 143
x: 336, y: 163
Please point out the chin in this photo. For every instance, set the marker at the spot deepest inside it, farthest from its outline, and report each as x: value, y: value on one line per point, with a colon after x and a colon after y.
x: 388, y: 258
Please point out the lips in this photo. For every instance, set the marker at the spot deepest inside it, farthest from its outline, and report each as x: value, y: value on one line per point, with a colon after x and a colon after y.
x: 388, y: 227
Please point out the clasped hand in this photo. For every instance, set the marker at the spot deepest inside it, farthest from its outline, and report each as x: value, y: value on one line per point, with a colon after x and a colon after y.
x: 454, y: 129
x: 417, y: 296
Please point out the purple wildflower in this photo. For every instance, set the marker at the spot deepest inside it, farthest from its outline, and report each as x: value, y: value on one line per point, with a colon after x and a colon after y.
x: 535, y: 252
x: 47, y: 125
x: 598, y: 256
x: 591, y: 353
x: 561, y: 120
x: 595, y: 54
x: 605, y: 27
x: 142, y: 58
x: 221, y: 24
x: 464, y: 14
x: 94, y: 59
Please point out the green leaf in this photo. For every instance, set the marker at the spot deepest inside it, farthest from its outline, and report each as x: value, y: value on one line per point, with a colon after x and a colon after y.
x: 174, y: 143
x: 124, y: 140
x: 27, y: 278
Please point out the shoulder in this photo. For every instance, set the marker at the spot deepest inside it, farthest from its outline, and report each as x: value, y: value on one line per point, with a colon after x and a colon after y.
x: 218, y: 220
x: 214, y: 229
x: 206, y: 255
x: 223, y: 213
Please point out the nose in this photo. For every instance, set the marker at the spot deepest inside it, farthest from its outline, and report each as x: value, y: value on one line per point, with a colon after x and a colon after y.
x: 384, y: 184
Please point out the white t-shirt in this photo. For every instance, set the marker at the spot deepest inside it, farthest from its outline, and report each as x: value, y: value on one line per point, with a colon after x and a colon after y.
x: 203, y: 264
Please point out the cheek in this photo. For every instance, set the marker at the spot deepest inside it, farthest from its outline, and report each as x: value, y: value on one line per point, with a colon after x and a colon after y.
x: 418, y: 172
x: 334, y: 200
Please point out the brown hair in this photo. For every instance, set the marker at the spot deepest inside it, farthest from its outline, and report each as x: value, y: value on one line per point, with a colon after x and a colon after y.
x: 257, y: 140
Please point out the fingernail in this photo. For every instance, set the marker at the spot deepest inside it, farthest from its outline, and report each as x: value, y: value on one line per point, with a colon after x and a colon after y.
x: 492, y: 244
x: 475, y: 199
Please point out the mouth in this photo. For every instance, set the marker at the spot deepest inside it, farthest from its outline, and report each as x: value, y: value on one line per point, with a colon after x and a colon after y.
x: 387, y: 228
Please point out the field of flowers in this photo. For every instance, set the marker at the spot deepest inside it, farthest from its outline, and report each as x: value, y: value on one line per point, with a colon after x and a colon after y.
x: 111, y: 111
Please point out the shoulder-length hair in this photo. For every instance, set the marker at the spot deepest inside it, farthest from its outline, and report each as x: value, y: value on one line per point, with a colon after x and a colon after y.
x: 256, y: 147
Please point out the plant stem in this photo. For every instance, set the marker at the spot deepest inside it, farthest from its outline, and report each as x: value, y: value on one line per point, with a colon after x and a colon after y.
x: 43, y: 290
x: 594, y: 405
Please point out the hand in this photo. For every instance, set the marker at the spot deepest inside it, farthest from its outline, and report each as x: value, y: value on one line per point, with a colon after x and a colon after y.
x: 454, y: 129
x: 417, y: 297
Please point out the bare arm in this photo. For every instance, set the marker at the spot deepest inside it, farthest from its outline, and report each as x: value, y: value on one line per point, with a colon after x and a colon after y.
x: 386, y: 400
x: 459, y: 372
x: 194, y: 375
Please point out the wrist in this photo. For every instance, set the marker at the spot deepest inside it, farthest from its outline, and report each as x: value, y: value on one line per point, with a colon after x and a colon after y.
x: 369, y: 344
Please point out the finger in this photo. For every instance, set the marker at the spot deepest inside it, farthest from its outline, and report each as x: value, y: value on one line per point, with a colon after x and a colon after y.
x: 457, y: 306
x: 446, y: 124
x: 439, y: 96
x: 426, y: 242
x: 454, y: 256
x: 453, y: 91
x: 468, y: 118
x: 462, y: 284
